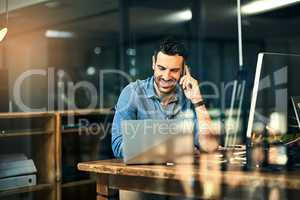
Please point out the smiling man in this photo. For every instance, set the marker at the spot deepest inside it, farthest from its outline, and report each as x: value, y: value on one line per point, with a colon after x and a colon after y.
x: 169, y: 94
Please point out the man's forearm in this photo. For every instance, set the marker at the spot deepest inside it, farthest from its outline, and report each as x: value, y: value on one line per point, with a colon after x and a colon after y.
x: 207, y: 133
x: 204, y: 120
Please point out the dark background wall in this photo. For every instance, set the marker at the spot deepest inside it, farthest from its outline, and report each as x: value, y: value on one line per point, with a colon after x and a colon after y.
x: 121, y: 35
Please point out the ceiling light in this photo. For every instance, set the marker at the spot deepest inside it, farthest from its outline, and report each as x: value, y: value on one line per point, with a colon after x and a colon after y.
x: 91, y: 70
x: 53, y: 4
x: 261, y: 6
x: 97, y: 50
x: 4, y: 30
x: 179, y: 16
x: 3, y: 33
x: 58, y: 34
x: 185, y: 15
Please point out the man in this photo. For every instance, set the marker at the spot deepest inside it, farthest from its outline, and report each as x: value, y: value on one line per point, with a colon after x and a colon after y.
x: 168, y: 94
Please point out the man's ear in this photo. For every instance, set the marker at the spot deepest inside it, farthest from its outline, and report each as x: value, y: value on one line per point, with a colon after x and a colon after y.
x: 153, y: 62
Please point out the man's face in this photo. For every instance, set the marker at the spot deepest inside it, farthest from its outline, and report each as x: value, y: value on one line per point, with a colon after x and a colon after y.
x: 167, y: 70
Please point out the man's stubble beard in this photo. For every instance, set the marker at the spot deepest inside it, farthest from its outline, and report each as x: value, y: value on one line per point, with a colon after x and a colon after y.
x: 163, y: 93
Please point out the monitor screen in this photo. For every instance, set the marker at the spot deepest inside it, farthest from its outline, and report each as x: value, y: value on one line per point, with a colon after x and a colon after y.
x: 273, y: 117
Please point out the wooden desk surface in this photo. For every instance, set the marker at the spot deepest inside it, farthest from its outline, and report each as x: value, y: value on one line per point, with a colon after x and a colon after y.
x: 207, y: 170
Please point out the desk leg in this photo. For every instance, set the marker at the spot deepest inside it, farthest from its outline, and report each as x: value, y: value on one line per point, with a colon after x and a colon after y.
x: 103, y: 191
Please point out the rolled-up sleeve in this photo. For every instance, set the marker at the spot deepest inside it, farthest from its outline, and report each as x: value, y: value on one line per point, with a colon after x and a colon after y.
x: 125, y: 110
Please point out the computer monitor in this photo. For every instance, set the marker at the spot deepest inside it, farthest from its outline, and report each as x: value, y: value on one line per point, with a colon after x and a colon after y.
x: 296, y: 105
x: 272, y: 125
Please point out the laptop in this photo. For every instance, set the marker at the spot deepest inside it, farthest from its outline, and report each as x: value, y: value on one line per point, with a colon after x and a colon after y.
x: 158, y: 141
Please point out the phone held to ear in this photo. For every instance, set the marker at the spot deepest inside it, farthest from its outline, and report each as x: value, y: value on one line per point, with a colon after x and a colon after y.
x: 185, y: 71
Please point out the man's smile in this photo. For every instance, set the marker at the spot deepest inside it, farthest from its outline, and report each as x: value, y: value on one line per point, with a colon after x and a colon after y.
x: 167, y: 83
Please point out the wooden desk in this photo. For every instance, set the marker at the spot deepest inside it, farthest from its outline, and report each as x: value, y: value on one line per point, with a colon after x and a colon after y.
x: 205, y: 180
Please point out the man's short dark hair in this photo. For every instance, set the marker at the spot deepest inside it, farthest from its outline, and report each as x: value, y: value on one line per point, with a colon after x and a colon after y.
x: 171, y: 46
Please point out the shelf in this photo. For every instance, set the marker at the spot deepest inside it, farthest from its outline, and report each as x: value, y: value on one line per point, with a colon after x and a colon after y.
x: 9, y: 115
x: 83, y: 131
x: 72, y: 130
x: 35, y: 188
x: 25, y: 133
x: 78, y: 183
x: 12, y: 115
x: 48, y: 132
x: 86, y: 112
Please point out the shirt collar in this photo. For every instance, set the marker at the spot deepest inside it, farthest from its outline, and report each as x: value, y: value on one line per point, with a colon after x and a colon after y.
x: 150, y: 91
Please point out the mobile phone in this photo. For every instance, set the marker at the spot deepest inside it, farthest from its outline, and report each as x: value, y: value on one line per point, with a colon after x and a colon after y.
x: 184, y: 72
x: 184, y: 68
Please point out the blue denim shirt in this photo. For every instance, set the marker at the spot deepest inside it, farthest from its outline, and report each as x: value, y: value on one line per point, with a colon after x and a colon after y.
x: 138, y: 100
